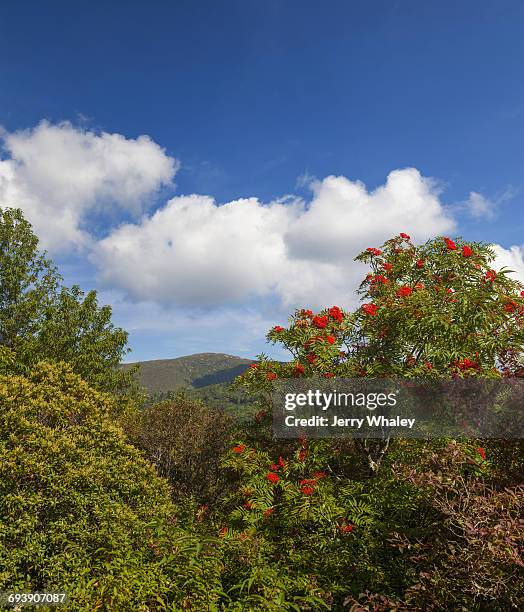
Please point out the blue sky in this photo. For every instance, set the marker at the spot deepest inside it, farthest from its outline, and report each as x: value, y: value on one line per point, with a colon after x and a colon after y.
x: 254, y: 100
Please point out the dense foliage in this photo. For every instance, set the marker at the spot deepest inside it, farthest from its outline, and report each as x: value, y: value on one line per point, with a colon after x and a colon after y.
x: 81, y: 510
x: 175, y: 507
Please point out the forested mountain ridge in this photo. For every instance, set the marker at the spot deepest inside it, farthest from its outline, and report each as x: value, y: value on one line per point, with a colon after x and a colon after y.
x: 191, y: 371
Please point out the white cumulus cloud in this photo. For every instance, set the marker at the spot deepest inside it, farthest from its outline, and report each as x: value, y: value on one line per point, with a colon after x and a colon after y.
x: 58, y: 174
x: 512, y: 258
x: 344, y: 217
x: 196, y: 252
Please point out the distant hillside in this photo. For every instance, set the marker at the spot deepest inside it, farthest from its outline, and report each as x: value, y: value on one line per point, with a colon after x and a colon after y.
x: 194, y: 371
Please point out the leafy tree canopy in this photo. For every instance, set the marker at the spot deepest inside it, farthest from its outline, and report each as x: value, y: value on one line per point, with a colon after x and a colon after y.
x: 42, y: 319
x: 438, y: 309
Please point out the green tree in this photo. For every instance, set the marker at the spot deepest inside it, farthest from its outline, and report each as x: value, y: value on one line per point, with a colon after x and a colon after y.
x: 434, y: 310
x: 40, y: 318
x: 28, y: 280
x: 404, y: 534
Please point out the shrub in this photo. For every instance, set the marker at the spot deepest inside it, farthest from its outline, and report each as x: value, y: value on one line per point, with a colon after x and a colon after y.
x: 184, y: 439
x: 81, y: 511
x: 474, y: 559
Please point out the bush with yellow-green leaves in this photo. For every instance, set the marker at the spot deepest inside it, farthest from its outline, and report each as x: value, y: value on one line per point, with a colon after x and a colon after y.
x: 82, y: 511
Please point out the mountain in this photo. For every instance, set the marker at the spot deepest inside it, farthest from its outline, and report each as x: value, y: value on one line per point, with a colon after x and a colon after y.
x: 193, y: 371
